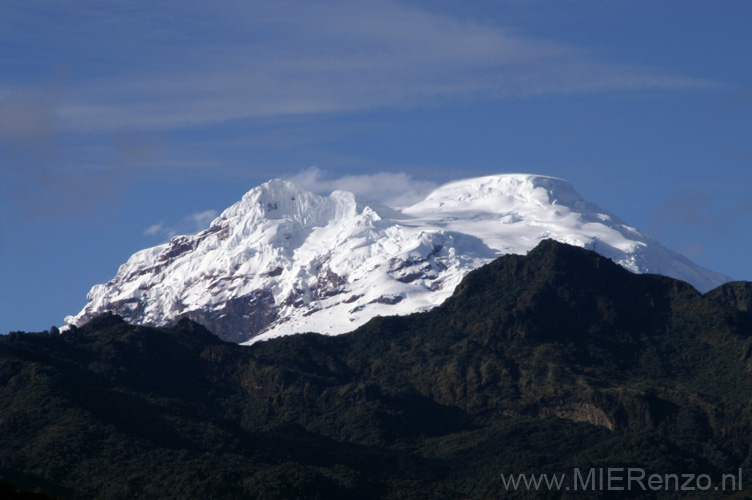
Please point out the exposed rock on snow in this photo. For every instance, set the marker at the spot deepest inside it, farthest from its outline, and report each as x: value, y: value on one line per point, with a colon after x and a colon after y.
x: 283, y: 260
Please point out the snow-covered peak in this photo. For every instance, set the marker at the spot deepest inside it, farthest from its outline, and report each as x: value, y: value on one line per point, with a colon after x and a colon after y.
x: 498, y: 194
x: 281, y: 199
x: 284, y: 260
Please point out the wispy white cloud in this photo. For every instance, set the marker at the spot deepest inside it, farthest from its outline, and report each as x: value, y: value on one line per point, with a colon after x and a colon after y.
x: 133, y: 72
x: 34, y: 180
x: 190, y: 224
x: 261, y: 59
x: 393, y: 189
x: 154, y: 229
x: 27, y: 122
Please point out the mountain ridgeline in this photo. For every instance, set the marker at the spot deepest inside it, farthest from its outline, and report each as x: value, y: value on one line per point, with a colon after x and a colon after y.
x: 542, y: 363
x: 284, y: 260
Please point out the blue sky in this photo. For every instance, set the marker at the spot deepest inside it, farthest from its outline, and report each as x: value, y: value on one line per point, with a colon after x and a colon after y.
x: 122, y: 123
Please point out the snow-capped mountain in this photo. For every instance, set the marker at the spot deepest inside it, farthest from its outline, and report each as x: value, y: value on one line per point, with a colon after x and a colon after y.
x: 283, y: 260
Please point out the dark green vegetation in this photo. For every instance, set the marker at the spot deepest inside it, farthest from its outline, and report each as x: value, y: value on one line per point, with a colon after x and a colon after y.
x: 536, y: 364
x: 10, y: 492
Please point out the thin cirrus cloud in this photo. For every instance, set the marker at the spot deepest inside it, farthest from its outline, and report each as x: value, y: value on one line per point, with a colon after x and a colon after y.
x: 166, y: 67
x: 393, y: 189
x: 190, y: 224
x: 130, y: 72
x: 31, y: 177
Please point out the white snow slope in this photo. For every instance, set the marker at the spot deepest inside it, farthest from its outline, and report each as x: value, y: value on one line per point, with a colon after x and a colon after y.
x: 283, y: 260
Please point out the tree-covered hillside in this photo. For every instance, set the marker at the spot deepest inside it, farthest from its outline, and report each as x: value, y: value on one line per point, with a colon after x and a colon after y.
x: 537, y: 364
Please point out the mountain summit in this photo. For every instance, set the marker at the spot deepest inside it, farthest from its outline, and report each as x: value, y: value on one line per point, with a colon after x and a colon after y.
x: 283, y: 260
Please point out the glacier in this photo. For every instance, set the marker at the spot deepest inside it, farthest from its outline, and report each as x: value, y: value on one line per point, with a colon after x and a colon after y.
x: 283, y: 260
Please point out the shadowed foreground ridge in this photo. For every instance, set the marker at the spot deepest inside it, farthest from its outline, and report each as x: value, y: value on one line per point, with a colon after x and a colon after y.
x: 284, y: 260
x: 536, y: 364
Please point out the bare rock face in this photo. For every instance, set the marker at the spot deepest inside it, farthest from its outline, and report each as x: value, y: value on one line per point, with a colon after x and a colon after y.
x: 283, y: 260
x: 252, y: 312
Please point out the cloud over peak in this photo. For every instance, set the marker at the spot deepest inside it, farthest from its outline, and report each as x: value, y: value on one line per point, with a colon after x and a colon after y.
x: 393, y: 189
x: 197, y: 221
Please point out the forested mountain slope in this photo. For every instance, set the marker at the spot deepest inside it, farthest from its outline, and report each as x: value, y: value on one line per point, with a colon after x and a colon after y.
x: 542, y: 363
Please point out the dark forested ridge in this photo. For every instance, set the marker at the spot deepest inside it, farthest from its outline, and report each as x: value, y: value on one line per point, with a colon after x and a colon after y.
x: 537, y: 364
